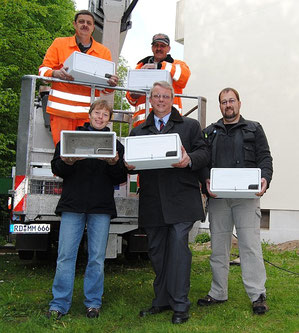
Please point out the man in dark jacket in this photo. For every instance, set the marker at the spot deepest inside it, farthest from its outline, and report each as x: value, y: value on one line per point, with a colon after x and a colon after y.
x: 86, y: 200
x: 237, y: 143
x: 169, y: 204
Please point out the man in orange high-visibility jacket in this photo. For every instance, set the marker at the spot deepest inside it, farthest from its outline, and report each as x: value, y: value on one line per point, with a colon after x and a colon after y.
x: 161, y: 59
x: 68, y: 104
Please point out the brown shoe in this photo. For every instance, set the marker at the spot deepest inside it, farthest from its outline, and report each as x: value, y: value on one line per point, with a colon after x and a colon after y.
x: 208, y: 300
x: 260, y: 306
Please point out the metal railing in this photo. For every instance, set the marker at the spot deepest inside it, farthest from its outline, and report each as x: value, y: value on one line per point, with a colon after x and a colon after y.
x: 201, y: 101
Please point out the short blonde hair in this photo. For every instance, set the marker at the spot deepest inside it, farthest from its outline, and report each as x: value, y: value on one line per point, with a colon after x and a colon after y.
x: 102, y: 104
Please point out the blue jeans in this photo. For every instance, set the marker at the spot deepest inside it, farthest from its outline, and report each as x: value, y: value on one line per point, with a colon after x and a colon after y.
x: 70, y: 234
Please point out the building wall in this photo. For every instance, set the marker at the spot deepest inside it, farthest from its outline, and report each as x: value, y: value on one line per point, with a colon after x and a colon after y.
x: 253, y: 46
x: 283, y: 227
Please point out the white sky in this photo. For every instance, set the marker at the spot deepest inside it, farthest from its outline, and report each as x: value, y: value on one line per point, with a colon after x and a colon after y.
x: 148, y: 18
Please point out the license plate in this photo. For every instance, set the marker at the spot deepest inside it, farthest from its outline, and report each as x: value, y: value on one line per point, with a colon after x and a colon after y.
x: 29, y: 228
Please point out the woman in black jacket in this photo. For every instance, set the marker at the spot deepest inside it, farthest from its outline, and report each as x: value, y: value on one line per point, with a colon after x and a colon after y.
x: 87, y: 199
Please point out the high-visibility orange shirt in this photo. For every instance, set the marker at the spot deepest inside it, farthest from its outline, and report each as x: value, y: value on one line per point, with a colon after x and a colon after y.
x: 65, y: 99
x: 180, y: 74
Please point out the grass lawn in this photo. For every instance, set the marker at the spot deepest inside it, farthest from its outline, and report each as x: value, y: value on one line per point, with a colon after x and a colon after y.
x: 25, y: 291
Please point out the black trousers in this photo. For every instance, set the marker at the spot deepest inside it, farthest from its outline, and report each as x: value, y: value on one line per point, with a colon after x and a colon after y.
x: 171, y: 259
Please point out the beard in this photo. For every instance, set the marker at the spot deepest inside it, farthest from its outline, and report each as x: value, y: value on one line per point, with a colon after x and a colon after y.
x: 230, y: 115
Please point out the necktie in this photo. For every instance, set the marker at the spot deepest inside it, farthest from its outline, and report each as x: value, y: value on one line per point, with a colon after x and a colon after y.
x: 161, y: 124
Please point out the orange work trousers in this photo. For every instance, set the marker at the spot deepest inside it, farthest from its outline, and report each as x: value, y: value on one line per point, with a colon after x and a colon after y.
x: 59, y: 124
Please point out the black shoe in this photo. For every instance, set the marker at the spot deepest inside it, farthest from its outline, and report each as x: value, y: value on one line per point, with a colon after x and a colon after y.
x: 260, y: 306
x: 180, y: 317
x: 154, y: 310
x: 92, y: 312
x: 208, y: 300
x: 54, y: 314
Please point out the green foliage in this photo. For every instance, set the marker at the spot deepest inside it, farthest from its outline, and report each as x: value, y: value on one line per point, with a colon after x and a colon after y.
x: 2, y: 240
x: 28, y: 27
x: 9, y: 101
x: 121, y: 129
x: 202, y: 238
x: 120, y: 101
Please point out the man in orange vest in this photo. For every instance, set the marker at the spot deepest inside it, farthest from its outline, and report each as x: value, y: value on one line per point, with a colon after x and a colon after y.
x: 68, y: 104
x: 161, y: 59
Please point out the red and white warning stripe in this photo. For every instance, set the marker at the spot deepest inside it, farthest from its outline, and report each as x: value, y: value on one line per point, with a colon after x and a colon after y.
x: 20, y: 196
x: 9, y: 203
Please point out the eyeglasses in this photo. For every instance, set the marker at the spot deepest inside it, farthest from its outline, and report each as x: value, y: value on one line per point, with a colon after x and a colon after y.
x: 161, y: 96
x: 230, y: 101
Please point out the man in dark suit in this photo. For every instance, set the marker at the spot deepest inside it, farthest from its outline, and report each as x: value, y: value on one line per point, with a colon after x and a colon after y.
x: 169, y: 204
